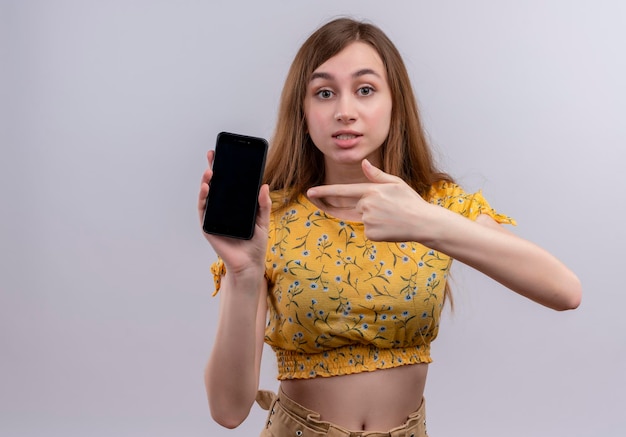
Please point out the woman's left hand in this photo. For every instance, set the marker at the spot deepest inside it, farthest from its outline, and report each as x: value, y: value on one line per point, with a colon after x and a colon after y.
x: 390, y: 209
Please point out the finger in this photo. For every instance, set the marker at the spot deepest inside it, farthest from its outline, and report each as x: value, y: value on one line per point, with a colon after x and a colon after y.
x: 355, y: 191
x: 265, y: 206
x: 208, y: 173
x: 204, y: 184
x: 206, y: 176
x: 204, y: 192
x: 376, y: 175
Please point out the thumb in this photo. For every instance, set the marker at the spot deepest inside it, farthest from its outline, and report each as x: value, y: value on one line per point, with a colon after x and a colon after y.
x: 265, y: 206
x: 375, y: 174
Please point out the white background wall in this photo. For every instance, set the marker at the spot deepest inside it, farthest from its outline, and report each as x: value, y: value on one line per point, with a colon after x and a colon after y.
x: 107, y: 110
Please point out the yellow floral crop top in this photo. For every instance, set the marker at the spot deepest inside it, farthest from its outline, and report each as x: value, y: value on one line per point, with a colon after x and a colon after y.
x: 340, y: 303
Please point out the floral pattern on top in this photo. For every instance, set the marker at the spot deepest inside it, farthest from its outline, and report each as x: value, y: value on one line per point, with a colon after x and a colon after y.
x: 340, y: 303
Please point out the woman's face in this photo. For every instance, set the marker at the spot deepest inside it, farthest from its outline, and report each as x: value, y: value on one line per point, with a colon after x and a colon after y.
x: 348, y: 106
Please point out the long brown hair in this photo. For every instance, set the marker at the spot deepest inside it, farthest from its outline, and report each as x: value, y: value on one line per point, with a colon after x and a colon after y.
x: 294, y: 164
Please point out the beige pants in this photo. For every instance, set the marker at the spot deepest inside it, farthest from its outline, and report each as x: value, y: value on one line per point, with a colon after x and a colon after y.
x: 287, y: 418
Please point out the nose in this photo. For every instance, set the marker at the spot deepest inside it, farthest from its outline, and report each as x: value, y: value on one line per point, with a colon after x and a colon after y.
x: 346, y: 110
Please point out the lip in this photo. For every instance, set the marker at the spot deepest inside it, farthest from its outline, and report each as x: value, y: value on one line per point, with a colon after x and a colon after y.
x: 355, y: 137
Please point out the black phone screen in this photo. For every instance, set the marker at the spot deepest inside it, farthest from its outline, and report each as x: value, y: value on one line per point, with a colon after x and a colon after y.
x: 234, y: 188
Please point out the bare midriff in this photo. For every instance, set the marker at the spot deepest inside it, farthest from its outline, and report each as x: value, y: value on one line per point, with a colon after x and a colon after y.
x: 369, y: 401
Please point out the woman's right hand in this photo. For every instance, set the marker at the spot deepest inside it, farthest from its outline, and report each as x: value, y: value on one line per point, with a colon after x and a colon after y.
x: 238, y: 255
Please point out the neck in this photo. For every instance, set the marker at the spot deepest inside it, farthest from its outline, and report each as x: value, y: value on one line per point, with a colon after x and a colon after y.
x: 337, y: 203
x: 344, y: 174
x: 351, y: 173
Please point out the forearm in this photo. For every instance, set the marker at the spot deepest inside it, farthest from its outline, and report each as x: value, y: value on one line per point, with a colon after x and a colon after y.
x: 514, y: 262
x: 232, y: 373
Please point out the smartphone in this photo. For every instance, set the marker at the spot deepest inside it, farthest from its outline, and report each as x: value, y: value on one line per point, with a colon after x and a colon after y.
x: 232, y: 203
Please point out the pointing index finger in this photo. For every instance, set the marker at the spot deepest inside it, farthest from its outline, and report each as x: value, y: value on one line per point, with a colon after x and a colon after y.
x: 355, y: 191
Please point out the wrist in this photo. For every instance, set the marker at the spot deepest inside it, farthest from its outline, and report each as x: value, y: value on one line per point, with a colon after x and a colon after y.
x: 243, y: 277
x: 437, y: 226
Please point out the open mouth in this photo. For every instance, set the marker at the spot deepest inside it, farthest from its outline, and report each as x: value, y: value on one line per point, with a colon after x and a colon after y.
x: 346, y: 136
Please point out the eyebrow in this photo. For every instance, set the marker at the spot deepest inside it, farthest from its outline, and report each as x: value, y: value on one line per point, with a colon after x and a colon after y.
x: 328, y: 76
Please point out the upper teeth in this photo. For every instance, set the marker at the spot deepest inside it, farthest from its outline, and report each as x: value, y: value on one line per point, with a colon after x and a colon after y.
x: 345, y: 136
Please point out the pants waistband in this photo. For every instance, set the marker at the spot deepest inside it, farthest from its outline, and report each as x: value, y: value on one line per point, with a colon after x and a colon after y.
x: 288, y: 418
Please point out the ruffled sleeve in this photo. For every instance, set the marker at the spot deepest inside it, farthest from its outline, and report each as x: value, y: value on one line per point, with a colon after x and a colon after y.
x: 470, y: 205
x: 218, y: 269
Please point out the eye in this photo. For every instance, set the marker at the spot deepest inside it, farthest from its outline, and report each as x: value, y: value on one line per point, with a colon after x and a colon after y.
x: 365, y: 91
x: 324, y: 94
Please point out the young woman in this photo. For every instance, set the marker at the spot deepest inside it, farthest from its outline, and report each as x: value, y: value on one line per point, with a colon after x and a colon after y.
x: 345, y: 276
